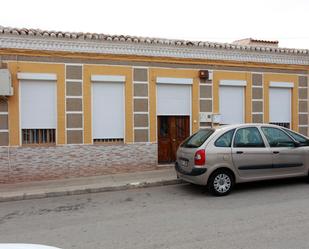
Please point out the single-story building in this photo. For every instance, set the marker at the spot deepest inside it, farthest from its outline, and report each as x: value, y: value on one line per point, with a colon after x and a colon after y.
x: 81, y: 104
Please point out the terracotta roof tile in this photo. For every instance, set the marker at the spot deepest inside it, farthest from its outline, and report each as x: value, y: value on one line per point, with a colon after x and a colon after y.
x: 145, y: 40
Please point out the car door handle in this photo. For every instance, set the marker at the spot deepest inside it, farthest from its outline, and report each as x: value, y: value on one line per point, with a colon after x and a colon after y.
x: 276, y: 152
x: 239, y: 152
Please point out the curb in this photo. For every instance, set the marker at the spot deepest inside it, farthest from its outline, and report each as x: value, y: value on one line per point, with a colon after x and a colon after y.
x: 133, y: 185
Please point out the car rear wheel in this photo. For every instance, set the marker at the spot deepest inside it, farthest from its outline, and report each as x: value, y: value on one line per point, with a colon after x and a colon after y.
x: 220, y: 183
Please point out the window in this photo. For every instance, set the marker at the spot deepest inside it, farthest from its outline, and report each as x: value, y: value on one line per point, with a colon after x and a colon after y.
x: 38, y: 136
x: 248, y: 137
x: 197, y: 139
x: 225, y: 140
x: 299, y: 138
x: 163, y: 126
x: 108, y: 112
x: 280, y: 108
x: 38, y: 109
x: 277, y: 138
x: 173, y: 99
x: 231, y: 104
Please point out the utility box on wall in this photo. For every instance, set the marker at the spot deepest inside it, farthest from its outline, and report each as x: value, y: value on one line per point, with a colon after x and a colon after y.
x: 205, y: 117
x: 210, y: 117
x: 216, y: 118
x: 6, y: 88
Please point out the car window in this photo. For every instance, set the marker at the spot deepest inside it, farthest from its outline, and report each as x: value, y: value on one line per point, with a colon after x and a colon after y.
x: 277, y: 138
x: 225, y: 140
x: 297, y: 137
x: 248, y: 137
x: 197, y: 139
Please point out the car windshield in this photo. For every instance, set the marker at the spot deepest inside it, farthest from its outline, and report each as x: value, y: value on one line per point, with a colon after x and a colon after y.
x: 197, y: 139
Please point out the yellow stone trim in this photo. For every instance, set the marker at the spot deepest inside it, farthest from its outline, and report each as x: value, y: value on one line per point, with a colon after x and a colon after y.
x: 223, y: 75
x: 107, y: 70
x: 152, y: 106
x: 248, y: 98
x: 13, y: 108
x: 195, y: 103
x: 177, y: 73
x: 282, y: 78
x: 14, y: 114
x: 38, y: 53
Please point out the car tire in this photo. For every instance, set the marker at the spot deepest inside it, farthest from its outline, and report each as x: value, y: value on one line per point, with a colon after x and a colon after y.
x: 221, y: 183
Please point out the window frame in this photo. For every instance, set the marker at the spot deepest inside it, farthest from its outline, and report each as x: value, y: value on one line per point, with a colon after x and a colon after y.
x: 37, y: 131
x: 246, y: 127
x: 39, y: 137
x: 184, y: 144
x: 109, y: 139
x: 288, y: 131
x: 232, y: 139
x: 282, y: 130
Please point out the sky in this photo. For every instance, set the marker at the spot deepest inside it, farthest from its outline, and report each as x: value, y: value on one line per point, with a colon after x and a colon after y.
x: 204, y: 20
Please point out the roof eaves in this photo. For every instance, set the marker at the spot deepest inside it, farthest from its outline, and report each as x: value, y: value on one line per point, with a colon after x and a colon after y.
x: 73, y: 37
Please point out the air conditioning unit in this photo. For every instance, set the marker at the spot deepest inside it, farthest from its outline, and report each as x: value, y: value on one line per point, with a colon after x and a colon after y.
x: 6, y: 88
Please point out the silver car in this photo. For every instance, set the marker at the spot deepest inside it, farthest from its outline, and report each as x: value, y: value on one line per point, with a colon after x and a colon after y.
x: 231, y: 154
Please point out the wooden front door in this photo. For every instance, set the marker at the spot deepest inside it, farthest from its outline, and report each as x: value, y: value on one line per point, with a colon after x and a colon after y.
x: 172, y: 130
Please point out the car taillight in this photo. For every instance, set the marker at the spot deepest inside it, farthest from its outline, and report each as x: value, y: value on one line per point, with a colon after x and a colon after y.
x: 200, y: 157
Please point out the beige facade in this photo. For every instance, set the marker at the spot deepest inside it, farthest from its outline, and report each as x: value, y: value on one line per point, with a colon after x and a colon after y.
x: 75, y: 73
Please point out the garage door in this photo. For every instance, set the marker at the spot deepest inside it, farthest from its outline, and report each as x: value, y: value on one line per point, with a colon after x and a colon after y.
x: 173, y: 99
x: 231, y: 104
x: 280, y: 106
x: 108, y: 110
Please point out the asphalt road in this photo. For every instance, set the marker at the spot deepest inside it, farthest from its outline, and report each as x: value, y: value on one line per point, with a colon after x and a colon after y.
x: 259, y: 215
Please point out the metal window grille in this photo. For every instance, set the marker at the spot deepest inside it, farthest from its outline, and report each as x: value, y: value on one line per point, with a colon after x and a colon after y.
x: 38, y: 136
x: 286, y: 125
x: 108, y: 140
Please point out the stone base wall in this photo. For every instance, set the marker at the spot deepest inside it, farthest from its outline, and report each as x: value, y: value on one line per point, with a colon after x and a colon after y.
x: 20, y: 164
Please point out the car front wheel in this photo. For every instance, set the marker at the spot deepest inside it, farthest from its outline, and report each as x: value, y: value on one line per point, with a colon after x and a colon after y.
x: 220, y: 183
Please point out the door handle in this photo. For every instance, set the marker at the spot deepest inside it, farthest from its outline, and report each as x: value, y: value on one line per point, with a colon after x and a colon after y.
x: 239, y: 152
x: 174, y: 140
x: 276, y: 152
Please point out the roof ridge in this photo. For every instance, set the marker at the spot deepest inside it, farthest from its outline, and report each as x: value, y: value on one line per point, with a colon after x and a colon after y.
x: 140, y: 39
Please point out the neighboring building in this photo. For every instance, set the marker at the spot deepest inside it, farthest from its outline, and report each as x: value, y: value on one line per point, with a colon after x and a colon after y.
x: 255, y: 42
x: 89, y: 104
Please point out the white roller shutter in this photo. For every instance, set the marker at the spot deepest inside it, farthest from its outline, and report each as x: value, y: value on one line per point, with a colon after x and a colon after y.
x: 38, y: 104
x: 279, y: 105
x: 231, y: 104
x: 107, y: 110
x: 173, y: 99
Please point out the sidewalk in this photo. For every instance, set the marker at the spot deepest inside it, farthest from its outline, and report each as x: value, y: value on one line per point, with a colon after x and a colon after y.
x: 94, y: 184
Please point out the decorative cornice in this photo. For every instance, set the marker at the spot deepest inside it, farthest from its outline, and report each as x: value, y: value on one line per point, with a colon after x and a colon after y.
x: 212, y: 52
